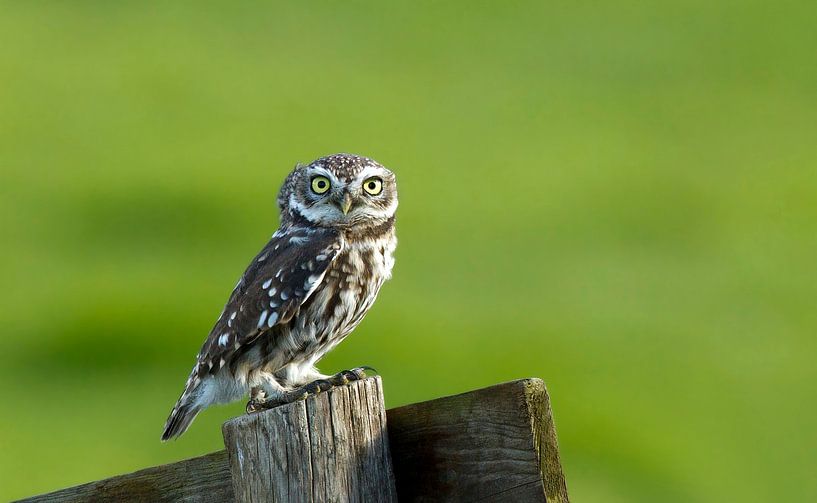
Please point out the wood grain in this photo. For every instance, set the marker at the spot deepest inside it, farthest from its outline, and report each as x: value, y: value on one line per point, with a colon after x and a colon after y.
x: 331, y: 447
x: 205, y: 479
x: 493, y: 444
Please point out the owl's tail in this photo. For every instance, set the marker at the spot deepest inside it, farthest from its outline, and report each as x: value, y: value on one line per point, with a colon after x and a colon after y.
x: 180, y: 418
x: 185, y: 410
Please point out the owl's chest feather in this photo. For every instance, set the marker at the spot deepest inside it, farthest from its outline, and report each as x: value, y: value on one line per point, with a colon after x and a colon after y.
x: 340, y: 302
x: 350, y: 286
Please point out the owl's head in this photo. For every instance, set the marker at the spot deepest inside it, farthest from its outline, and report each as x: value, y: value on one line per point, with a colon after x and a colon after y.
x: 341, y: 191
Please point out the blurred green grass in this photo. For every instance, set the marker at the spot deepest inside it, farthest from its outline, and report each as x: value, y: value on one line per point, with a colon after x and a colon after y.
x: 617, y: 197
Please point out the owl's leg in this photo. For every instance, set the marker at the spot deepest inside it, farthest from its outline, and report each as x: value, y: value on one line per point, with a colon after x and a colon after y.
x: 315, y: 382
x: 312, y: 388
x: 288, y: 385
x: 328, y: 382
x: 265, y: 387
x: 347, y: 376
x: 290, y: 396
x: 257, y: 399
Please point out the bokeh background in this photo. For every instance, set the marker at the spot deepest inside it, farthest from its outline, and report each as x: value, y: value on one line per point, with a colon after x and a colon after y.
x: 618, y: 197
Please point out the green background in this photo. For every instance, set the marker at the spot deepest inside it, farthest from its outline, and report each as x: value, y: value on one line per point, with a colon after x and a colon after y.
x: 619, y: 197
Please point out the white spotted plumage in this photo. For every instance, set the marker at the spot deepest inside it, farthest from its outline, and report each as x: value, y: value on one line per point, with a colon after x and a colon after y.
x: 307, y: 289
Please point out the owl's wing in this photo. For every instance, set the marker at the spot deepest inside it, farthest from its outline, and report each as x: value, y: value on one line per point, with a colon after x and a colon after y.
x: 271, y: 291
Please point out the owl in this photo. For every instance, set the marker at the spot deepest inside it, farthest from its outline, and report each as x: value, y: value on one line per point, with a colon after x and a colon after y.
x: 304, y: 292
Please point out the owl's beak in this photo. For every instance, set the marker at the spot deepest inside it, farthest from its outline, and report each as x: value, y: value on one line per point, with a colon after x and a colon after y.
x: 346, y: 203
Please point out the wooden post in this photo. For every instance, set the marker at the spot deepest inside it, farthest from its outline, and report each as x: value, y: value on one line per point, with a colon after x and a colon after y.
x: 205, y: 479
x: 492, y: 444
x: 330, y: 447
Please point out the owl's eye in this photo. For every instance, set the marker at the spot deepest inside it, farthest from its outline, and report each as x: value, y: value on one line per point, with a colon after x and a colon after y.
x: 320, y: 184
x: 373, y: 186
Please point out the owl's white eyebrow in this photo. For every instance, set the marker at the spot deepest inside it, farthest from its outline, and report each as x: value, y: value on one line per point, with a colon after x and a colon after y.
x: 318, y: 170
x: 370, y: 171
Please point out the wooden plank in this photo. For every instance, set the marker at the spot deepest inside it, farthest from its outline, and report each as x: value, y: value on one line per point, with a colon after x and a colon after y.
x: 330, y: 447
x: 546, y: 442
x: 205, y: 479
x: 493, y: 444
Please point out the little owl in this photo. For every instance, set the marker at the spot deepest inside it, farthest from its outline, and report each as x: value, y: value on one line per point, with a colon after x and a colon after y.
x: 307, y: 289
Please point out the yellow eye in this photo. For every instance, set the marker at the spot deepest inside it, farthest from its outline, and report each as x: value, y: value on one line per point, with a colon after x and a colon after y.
x: 373, y: 186
x: 320, y: 184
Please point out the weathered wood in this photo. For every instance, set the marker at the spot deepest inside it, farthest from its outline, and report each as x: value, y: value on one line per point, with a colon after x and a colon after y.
x: 205, y: 479
x: 331, y: 447
x: 493, y: 444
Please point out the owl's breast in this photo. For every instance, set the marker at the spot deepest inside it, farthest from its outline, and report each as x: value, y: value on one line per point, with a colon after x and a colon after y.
x: 350, y: 287
x: 336, y: 306
x: 346, y: 293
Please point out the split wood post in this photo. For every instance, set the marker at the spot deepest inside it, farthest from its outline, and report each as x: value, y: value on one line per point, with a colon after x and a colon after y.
x: 492, y: 444
x: 331, y: 447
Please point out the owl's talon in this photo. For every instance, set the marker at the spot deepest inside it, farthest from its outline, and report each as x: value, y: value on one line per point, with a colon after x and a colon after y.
x: 255, y: 405
x: 366, y: 371
x: 316, y: 387
x: 339, y: 379
x: 358, y: 373
x: 347, y: 376
x: 258, y: 398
